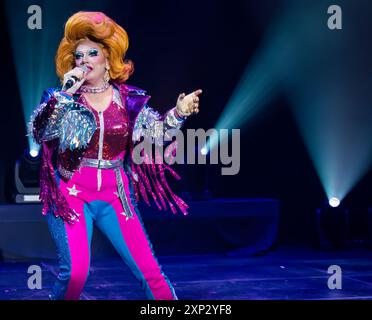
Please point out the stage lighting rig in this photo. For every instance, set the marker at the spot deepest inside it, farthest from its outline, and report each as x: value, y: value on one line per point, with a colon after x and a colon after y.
x: 26, y: 178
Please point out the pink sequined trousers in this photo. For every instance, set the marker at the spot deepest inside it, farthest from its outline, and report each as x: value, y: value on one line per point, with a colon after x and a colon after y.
x: 128, y: 236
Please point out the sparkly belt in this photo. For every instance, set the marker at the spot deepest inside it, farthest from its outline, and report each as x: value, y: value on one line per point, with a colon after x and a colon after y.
x: 106, y: 164
x: 101, y: 164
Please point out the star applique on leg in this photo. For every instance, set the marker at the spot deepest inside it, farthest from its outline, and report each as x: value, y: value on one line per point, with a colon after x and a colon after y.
x: 73, y: 191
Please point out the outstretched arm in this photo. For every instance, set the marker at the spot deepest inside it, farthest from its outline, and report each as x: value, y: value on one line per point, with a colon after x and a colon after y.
x: 150, y: 123
x: 188, y: 104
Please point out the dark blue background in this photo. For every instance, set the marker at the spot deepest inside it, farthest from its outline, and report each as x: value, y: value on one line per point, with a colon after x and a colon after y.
x: 185, y: 45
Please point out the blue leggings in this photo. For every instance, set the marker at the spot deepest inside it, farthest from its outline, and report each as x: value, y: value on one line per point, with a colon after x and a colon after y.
x: 127, y: 235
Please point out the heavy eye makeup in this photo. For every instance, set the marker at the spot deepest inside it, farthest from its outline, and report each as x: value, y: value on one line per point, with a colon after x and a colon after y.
x: 91, y: 53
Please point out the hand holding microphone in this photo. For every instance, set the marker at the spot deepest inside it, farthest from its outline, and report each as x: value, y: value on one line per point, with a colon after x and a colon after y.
x: 73, y: 79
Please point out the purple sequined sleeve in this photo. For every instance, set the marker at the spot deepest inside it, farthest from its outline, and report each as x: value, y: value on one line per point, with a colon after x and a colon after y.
x: 44, y: 128
x: 44, y: 122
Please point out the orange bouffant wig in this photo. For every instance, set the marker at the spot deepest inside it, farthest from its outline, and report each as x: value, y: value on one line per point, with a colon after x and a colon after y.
x: 97, y: 27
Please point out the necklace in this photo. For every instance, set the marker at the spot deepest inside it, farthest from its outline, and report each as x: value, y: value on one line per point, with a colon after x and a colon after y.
x: 100, y: 89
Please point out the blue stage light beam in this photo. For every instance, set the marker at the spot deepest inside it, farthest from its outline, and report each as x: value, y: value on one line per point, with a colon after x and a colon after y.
x: 34, y: 49
x: 260, y: 81
x: 326, y: 77
x: 328, y: 86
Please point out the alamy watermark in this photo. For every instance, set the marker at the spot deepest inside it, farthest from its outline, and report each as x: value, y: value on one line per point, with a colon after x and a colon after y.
x: 172, y: 147
x: 35, y: 280
x: 335, y: 20
x: 35, y: 20
x: 335, y: 280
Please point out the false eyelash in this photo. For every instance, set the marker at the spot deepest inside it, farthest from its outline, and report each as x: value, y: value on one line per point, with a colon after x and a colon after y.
x: 95, y: 51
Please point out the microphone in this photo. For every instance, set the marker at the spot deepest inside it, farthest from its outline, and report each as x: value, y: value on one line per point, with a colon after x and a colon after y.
x: 73, y: 79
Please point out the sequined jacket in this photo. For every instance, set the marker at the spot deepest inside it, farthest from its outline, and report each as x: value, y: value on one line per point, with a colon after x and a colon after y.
x: 64, y: 128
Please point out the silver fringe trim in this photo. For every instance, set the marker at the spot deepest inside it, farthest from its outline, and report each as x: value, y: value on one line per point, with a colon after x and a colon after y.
x: 123, y: 198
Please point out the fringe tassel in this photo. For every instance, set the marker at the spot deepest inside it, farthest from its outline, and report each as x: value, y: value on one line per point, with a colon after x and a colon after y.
x: 151, y: 178
x: 50, y: 195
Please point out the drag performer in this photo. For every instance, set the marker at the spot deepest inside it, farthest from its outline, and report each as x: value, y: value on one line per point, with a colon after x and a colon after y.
x: 88, y: 130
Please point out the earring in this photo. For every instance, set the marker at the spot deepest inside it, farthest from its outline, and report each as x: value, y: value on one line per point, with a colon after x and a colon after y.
x: 106, y: 77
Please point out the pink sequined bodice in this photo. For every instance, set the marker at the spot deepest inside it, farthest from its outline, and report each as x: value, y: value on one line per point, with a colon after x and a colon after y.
x: 114, y: 122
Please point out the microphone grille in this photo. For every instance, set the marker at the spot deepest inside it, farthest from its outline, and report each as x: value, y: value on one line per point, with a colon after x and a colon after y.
x: 85, y: 68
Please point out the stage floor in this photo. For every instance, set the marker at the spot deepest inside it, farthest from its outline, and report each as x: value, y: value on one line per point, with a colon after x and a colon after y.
x: 286, y: 273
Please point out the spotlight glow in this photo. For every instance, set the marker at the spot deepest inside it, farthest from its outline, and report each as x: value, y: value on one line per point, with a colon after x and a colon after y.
x: 34, y: 153
x: 334, y: 202
x: 204, y: 151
